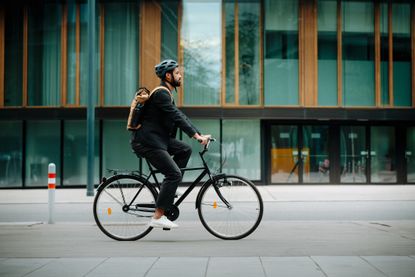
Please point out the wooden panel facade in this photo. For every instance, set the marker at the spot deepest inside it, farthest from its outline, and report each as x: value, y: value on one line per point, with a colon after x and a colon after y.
x: 309, y: 52
x: 150, y: 42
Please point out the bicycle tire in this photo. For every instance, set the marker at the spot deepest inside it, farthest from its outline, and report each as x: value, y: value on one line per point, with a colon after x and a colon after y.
x: 110, y: 207
x: 232, y: 222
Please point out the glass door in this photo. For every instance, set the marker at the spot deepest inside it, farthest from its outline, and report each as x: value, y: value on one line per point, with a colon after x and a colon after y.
x: 354, y: 154
x: 410, y: 155
x: 315, y: 154
x: 382, y: 154
x: 284, y: 154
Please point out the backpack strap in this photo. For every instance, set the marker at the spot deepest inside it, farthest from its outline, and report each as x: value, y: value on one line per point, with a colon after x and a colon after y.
x: 163, y: 88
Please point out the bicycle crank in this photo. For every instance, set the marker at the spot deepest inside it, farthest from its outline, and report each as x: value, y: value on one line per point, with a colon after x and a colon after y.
x: 172, y: 213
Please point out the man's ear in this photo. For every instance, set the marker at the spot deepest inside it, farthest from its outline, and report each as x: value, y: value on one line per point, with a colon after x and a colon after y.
x: 168, y: 76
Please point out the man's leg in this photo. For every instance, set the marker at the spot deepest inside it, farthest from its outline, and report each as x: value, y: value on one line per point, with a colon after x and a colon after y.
x: 162, y: 160
x: 181, y: 152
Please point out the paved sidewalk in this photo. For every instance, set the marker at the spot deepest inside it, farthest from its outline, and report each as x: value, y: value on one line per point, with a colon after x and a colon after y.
x: 311, y: 266
x: 278, y: 248
x: 268, y: 193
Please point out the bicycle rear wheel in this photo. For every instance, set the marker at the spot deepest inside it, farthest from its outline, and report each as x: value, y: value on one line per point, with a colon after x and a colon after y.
x: 123, y: 207
x: 230, y: 208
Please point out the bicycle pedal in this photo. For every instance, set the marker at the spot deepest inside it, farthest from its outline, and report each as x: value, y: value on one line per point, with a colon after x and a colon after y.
x: 166, y: 229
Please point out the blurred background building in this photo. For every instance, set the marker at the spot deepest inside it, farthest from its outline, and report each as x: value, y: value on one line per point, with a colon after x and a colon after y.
x: 296, y: 91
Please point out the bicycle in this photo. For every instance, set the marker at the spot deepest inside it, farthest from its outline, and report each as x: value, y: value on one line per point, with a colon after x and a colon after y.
x: 230, y: 207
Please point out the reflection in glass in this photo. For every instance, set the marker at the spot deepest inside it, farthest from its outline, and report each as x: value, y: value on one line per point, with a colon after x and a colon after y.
x: 229, y: 9
x: 11, y: 154
x: 284, y: 154
x: 13, y: 55
x: 201, y: 43
x: 44, y: 50
x: 383, y: 154
x: 249, y: 50
x: 121, y: 52
x: 241, y: 148
x: 75, y: 153
x: 327, y: 52
x: 281, y: 52
x: 358, y: 53
x: 116, y: 152
x: 71, y: 60
x: 212, y: 157
x: 42, y: 148
x: 353, y: 154
x: 169, y: 39
x: 410, y: 154
x: 401, y: 26
x: 315, y: 154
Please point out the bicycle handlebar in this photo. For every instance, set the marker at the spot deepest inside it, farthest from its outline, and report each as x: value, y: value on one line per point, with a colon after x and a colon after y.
x: 206, y: 147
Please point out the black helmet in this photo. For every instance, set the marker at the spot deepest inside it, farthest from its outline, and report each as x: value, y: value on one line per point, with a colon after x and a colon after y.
x: 164, y: 67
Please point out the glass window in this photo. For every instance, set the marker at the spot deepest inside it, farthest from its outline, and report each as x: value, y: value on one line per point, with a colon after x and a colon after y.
x: 358, y: 53
x: 315, y: 154
x: 284, y: 154
x: 281, y: 52
x: 42, y: 148
x: 401, y: 26
x: 169, y: 23
x: 201, y: 45
x: 83, y: 55
x: 44, y: 50
x: 13, y: 56
x: 384, y: 54
x: 11, y: 154
x: 121, y: 52
x: 248, y: 50
x: 241, y: 143
x: 75, y: 153
x: 353, y: 154
x: 410, y: 154
x: 212, y: 157
x: 383, y: 154
x: 169, y: 36
x: 117, y: 152
x: 71, y: 59
x: 327, y: 52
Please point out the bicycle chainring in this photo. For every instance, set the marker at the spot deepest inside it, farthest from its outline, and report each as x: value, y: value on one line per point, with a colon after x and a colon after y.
x: 172, y: 213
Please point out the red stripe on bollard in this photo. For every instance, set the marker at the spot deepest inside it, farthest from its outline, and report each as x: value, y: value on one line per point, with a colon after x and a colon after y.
x: 52, y: 175
x: 51, y: 186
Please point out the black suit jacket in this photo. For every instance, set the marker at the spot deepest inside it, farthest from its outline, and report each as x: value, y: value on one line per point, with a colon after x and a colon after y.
x: 161, y: 118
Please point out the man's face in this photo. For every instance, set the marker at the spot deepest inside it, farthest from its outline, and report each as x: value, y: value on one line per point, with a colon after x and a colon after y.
x: 177, y: 77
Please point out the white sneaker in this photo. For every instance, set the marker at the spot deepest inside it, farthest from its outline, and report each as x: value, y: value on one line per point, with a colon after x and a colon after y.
x: 178, y: 193
x: 162, y: 222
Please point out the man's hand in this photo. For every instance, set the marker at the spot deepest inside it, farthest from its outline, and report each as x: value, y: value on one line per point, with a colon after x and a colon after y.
x: 203, y: 139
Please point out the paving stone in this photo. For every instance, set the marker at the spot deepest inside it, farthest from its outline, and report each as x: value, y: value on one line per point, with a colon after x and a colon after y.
x: 71, y: 267
x: 20, y: 266
x: 123, y: 266
x: 179, y: 266
x: 290, y: 266
x: 235, y: 266
x: 346, y: 266
x: 396, y: 266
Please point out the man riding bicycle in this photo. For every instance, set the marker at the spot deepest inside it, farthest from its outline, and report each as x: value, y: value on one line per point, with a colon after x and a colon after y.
x: 155, y: 139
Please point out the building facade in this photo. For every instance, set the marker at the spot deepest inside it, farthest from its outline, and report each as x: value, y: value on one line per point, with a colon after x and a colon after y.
x: 295, y: 91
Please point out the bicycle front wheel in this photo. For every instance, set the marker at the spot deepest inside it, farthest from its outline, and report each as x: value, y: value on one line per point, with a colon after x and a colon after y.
x: 231, y: 207
x: 123, y: 207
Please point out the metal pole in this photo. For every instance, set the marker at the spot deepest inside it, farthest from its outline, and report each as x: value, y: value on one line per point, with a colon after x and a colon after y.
x: 91, y: 98
x: 51, y: 193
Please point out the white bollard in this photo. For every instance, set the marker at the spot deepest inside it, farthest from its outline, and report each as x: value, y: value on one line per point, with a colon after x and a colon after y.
x: 51, y: 189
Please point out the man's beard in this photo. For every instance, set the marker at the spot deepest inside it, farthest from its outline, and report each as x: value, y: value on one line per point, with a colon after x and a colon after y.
x: 175, y: 83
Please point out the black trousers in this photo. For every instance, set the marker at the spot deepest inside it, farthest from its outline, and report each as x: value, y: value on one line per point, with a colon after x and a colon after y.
x: 169, y: 163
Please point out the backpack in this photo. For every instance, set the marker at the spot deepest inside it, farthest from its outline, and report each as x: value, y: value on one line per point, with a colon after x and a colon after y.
x: 137, y: 107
